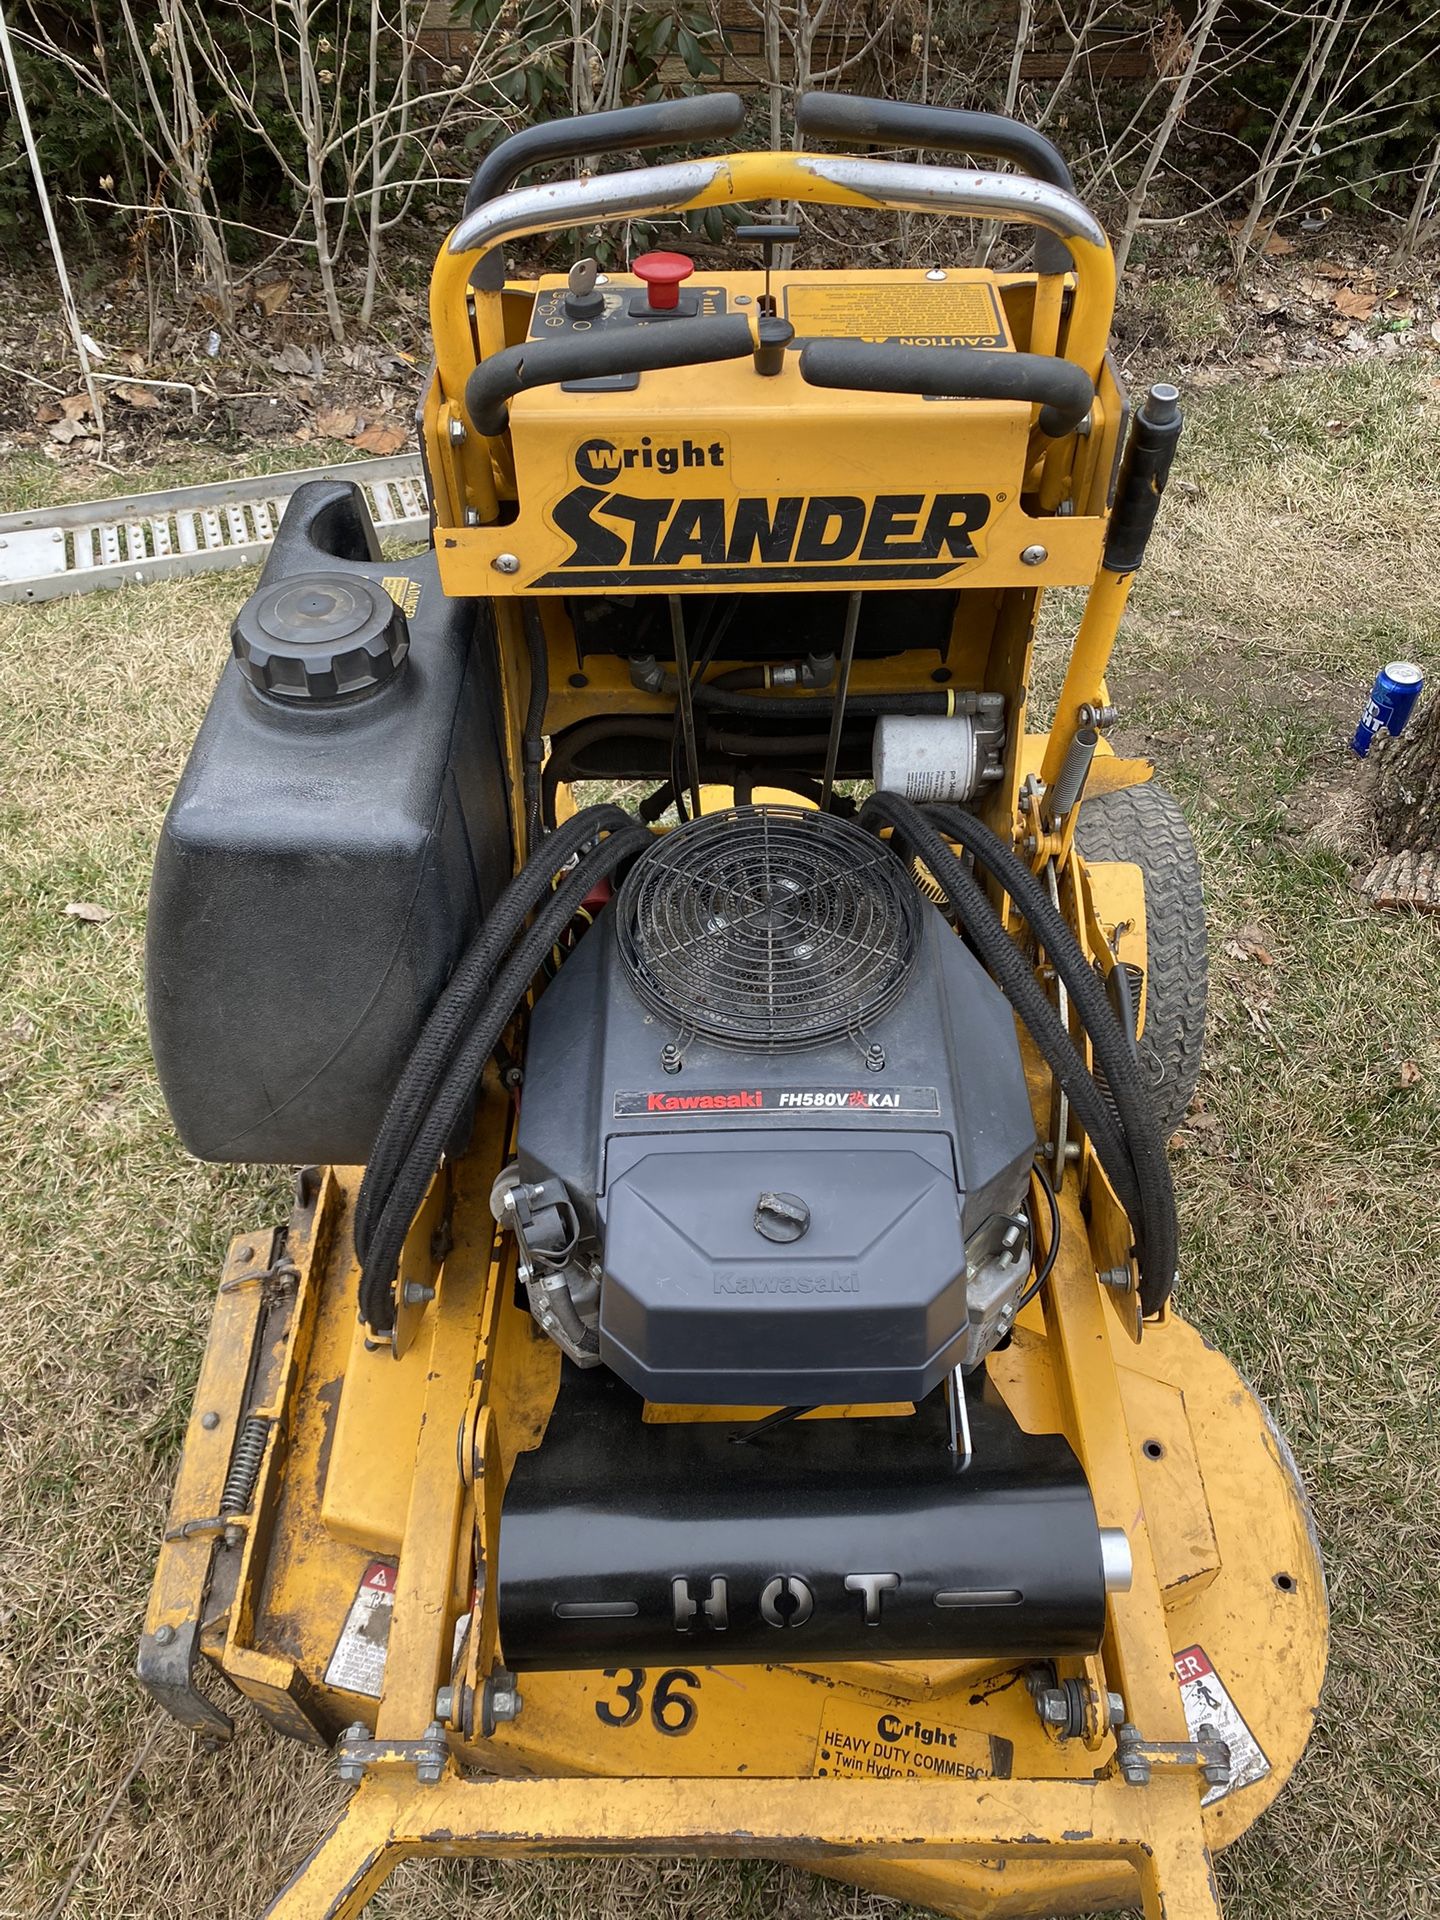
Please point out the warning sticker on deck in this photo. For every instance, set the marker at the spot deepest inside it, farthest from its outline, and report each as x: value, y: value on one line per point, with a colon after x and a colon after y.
x: 874, y: 1743
x: 358, y: 1662
x: 1208, y: 1703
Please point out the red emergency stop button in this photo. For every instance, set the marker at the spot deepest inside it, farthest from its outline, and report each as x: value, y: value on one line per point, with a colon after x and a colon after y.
x: 662, y: 274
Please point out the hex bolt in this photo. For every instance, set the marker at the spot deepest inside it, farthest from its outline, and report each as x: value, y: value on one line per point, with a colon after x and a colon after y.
x: 445, y: 1703
x: 456, y: 430
x: 349, y: 1765
x: 1214, y: 1755
x: 1115, y: 1709
x: 472, y: 519
x: 1035, y: 556
x: 430, y: 1766
x: 505, y: 1704
x: 417, y: 1294
x: 1133, y: 1765
x: 505, y: 562
x: 1052, y: 1707
x: 1117, y: 1277
x: 670, y: 1057
x: 875, y: 1058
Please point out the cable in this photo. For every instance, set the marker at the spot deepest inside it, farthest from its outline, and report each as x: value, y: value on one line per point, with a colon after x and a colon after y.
x: 1052, y: 1249
x: 533, y: 739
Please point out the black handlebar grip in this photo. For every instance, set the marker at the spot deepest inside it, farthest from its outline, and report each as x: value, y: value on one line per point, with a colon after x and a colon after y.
x: 645, y: 349
x: 990, y: 136
x: 706, y: 116
x: 1063, y: 391
x: 1149, y: 455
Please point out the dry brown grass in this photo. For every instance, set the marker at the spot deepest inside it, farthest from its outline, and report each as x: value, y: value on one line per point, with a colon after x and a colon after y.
x: 1305, y: 556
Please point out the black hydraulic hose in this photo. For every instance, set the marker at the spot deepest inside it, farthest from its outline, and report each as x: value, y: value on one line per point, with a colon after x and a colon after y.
x: 455, y: 1011
x: 1017, y: 982
x: 532, y: 744
x: 462, y: 1076
x: 1112, y: 1045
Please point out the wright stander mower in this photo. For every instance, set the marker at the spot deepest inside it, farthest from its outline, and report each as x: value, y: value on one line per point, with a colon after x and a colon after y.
x: 717, y: 1391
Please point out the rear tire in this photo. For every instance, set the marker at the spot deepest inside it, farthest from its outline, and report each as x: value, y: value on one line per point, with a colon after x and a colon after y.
x: 1145, y: 825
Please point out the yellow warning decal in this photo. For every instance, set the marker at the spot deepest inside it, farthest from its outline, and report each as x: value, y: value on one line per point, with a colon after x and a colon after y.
x: 404, y: 591
x: 860, y: 1742
x: 912, y: 313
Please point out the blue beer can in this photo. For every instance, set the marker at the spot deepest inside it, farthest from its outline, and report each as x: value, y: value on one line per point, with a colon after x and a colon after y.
x: 1392, y: 700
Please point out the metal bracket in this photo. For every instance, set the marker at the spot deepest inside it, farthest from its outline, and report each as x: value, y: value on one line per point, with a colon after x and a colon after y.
x: 357, y: 1751
x: 1136, y: 1758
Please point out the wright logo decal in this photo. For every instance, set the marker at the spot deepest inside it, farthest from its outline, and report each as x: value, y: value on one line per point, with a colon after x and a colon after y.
x: 710, y: 538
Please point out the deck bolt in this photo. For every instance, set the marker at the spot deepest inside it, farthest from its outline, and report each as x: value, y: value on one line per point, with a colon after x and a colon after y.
x: 209, y: 1421
x: 164, y: 1636
x: 937, y: 273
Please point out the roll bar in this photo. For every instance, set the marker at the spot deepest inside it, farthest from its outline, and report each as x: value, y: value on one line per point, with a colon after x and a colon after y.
x: 858, y: 121
x: 712, y: 116
x: 830, y: 179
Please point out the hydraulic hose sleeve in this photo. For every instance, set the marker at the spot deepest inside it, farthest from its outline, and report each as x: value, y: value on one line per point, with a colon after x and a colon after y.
x: 1112, y: 1045
x: 462, y: 1076
x: 455, y: 1011
x: 1017, y: 982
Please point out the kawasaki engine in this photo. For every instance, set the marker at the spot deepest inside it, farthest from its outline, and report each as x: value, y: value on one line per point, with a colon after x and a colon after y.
x: 775, y: 1136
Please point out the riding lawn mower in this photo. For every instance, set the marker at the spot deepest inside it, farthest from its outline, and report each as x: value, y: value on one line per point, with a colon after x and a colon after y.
x: 718, y: 1390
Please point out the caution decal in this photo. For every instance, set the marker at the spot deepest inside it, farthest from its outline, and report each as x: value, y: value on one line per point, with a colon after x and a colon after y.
x: 1207, y: 1703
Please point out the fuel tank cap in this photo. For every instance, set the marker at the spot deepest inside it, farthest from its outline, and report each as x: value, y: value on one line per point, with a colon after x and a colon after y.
x: 319, y: 636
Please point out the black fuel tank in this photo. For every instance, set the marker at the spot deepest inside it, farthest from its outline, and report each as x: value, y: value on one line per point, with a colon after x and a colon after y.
x: 337, y: 834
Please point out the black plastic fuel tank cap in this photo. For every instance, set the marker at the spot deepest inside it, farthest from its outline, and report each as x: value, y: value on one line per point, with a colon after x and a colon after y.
x: 320, y: 636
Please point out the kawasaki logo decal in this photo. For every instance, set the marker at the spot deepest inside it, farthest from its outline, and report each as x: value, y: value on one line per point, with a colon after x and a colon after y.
x: 743, y: 1100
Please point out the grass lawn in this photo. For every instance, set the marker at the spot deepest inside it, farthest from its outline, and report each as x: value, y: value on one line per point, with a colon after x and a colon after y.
x: 1297, y: 553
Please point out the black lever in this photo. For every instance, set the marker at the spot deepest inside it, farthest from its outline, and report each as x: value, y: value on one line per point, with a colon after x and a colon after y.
x: 1062, y: 391
x: 589, y: 356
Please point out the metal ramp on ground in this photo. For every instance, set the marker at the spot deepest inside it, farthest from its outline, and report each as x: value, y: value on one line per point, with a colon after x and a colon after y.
x: 48, y: 552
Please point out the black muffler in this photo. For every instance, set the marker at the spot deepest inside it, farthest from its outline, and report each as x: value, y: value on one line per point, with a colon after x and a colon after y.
x: 855, y: 1539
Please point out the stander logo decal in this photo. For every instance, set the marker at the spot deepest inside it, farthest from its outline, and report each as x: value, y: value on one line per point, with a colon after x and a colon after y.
x: 716, y: 539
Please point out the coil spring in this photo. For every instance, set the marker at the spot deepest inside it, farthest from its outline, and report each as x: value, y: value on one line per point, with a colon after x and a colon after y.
x: 245, y: 1462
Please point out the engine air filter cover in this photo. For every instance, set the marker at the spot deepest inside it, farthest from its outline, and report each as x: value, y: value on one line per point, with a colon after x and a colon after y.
x: 769, y: 928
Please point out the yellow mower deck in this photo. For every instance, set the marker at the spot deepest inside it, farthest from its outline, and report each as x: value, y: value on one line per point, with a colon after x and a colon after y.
x: 931, y: 1782
x: 332, y: 1543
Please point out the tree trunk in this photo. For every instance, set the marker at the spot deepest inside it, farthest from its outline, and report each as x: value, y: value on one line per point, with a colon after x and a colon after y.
x: 1407, y: 817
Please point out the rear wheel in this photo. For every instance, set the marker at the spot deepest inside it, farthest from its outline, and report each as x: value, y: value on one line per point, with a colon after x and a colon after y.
x: 1145, y: 825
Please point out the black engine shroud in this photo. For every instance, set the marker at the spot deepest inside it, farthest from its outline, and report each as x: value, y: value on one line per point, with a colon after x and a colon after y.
x: 780, y: 1227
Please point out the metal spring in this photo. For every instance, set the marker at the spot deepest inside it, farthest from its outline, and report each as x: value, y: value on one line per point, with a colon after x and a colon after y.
x: 245, y: 1462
